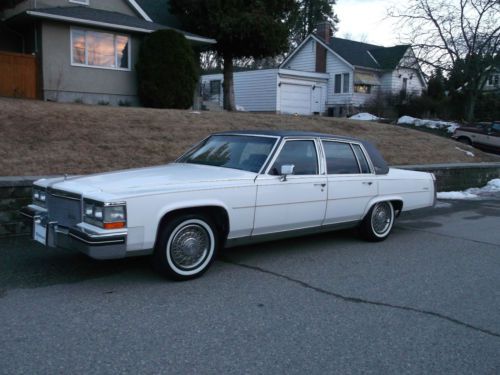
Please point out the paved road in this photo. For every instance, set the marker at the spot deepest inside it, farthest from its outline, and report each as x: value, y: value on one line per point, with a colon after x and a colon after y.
x: 427, y: 300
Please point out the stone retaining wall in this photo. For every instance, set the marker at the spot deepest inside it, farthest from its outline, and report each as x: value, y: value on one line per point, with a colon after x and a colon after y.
x: 15, y: 192
x: 457, y: 177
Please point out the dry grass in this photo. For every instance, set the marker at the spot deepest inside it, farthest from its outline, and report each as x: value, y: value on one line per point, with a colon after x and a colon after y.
x: 38, y: 138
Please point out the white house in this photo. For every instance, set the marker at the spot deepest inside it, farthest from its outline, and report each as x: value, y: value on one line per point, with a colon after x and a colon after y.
x: 324, y: 75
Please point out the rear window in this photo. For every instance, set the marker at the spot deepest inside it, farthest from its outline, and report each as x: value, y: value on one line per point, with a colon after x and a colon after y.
x: 340, y: 158
x: 363, y: 163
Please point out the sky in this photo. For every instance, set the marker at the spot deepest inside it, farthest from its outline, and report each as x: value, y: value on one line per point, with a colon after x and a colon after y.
x: 364, y: 19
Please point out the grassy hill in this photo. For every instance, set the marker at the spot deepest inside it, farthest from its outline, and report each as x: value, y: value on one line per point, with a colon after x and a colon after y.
x: 38, y: 138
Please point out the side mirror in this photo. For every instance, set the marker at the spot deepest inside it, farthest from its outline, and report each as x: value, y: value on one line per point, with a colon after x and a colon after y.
x: 286, y: 170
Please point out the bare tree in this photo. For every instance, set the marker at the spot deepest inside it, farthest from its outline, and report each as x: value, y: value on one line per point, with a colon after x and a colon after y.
x: 450, y: 33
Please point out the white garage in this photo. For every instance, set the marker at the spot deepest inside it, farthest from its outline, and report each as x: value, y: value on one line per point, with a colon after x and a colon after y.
x: 272, y: 90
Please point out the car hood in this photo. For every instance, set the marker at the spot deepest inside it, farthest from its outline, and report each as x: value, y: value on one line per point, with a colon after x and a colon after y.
x: 149, y: 179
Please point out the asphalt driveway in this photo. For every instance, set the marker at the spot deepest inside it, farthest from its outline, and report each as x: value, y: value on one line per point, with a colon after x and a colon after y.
x: 427, y: 300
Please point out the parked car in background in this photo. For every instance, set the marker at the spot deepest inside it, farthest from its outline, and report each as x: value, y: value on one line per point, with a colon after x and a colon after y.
x: 233, y: 188
x: 484, y: 135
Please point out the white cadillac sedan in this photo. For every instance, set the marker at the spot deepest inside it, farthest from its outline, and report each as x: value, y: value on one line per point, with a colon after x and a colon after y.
x: 232, y: 188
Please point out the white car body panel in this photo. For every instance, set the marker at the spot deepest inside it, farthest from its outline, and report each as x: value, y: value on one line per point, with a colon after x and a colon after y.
x: 256, y: 203
x: 297, y: 203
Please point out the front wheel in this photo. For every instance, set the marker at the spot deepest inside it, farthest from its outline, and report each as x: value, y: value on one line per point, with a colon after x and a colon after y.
x: 378, y: 222
x: 186, y: 247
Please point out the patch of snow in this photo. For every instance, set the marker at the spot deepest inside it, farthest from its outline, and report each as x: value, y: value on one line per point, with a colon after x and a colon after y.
x: 491, y: 187
x: 195, y: 112
x: 364, y: 117
x: 455, y: 195
x: 468, y: 153
x: 240, y: 108
x: 431, y: 124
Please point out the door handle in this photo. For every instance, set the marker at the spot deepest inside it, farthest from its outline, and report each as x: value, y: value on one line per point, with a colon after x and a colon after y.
x: 322, y: 185
x: 367, y: 183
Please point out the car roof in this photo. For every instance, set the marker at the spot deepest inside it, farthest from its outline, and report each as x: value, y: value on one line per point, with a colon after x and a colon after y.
x: 378, y: 161
x: 287, y: 133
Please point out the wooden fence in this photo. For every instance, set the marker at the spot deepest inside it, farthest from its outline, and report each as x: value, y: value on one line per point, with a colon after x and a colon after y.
x: 18, y: 75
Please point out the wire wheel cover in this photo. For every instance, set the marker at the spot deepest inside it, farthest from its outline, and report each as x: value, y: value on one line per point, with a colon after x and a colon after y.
x: 190, y: 246
x: 381, y: 218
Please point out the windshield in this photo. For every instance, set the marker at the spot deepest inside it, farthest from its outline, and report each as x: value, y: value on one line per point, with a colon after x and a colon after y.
x: 247, y: 153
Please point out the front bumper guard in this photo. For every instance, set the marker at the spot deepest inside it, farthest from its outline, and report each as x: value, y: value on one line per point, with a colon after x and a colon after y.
x: 95, y: 245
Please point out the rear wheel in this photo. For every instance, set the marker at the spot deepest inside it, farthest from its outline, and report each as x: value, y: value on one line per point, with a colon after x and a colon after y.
x: 186, y: 247
x: 378, y: 222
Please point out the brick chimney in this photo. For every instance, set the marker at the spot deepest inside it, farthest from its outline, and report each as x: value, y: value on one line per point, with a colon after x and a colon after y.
x: 324, y: 32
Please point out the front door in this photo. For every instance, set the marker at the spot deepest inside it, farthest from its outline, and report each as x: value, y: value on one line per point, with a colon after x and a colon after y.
x: 298, y: 202
x: 316, y: 100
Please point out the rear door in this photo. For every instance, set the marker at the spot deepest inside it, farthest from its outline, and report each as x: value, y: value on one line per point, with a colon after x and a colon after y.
x: 351, y: 181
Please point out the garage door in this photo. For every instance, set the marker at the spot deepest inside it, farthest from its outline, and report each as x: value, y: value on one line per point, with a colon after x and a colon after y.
x: 296, y: 99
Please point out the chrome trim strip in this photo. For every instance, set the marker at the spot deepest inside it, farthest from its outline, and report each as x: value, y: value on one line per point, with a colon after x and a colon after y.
x: 63, y: 194
x: 109, y: 242
x: 230, y: 242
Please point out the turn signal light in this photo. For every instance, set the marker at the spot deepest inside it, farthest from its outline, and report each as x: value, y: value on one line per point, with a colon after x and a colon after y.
x: 117, y: 225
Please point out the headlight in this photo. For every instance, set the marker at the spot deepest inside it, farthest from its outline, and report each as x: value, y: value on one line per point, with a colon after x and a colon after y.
x: 39, y: 196
x: 105, y: 215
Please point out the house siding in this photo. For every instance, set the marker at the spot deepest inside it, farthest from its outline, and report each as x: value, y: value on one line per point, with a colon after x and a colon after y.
x: 414, y: 84
x: 304, y: 59
x: 254, y: 90
x: 334, y: 65
x: 66, y: 83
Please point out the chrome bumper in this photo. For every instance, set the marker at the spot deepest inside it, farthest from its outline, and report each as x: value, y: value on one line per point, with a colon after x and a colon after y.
x: 95, y: 245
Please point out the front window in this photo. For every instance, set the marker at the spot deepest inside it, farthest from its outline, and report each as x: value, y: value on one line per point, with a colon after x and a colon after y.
x: 100, y: 49
x: 246, y: 153
x: 301, y: 154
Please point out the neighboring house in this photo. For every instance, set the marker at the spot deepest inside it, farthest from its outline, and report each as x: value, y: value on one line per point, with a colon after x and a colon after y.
x: 325, y: 75
x: 85, y: 50
x: 493, y: 82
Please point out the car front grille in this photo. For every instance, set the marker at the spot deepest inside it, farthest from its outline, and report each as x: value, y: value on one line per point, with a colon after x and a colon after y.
x: 64, y: 208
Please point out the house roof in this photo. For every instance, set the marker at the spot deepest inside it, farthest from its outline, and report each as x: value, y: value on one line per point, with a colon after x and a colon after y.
x: 158, y: 11
x: 367, y: 55
x: 103, y: 18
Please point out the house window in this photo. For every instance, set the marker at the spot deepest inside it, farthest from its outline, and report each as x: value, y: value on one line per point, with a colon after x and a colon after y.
x: 363, y: 89
x: 494, y: 80
x: 341, y: 83
x: 338, y: 83
x: 100, y: 49
x: 215, y: 87
x: 82, y: 2
x: 346, y: 83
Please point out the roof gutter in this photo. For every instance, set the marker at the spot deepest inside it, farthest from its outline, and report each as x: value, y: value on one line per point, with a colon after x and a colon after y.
x: 111, y: 25
x: 139, y: 10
